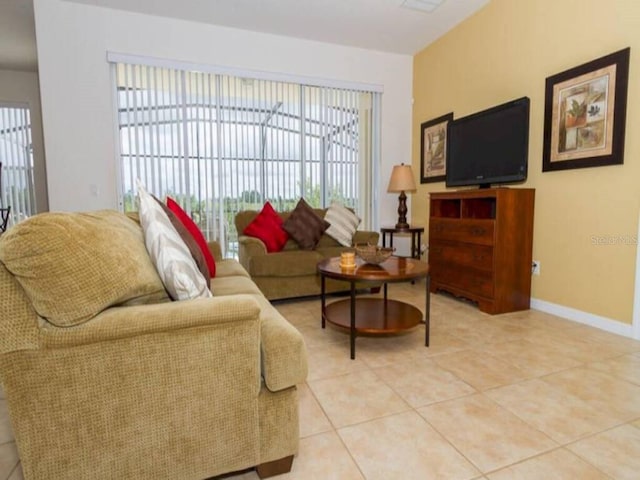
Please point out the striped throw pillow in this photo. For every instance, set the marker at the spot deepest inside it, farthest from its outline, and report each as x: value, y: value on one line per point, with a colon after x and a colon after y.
x: 344, y: 224
x: 170, y: 255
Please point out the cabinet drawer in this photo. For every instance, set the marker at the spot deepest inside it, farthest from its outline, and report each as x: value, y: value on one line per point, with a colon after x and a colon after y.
x: 468, y: 279
x: 465, y: 254
x: 462, y: 230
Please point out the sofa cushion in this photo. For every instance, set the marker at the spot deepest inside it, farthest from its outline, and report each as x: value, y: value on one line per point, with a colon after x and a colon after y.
x: 285, y: 264
x: 170, y: 255
x: 293, y: 245
x: 327, y: 241
x: 189, y: 241
x: 74, y: 265
x: 233, y: 285
x: 327, y: 252
x: 305, y: 226
x: 195, y: 231
x: 344, y: 223
x: 229, y: 267
x: 267, y: 226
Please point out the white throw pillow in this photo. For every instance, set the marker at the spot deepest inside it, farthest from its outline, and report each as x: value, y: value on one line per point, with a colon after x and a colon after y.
x: 344, y: 224
x: 169, y: 254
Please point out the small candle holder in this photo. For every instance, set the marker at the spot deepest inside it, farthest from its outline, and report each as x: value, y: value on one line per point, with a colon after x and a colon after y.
x: 347, y: 260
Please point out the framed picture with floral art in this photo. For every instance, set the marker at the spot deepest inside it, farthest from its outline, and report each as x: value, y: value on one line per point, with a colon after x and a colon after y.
x: 585, y: 113
x: 433, y: 149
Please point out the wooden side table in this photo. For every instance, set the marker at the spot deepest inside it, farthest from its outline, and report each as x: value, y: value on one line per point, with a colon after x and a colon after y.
x: 416, y: 234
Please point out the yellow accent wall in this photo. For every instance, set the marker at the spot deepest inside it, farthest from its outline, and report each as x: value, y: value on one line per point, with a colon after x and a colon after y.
x: 506, y: 51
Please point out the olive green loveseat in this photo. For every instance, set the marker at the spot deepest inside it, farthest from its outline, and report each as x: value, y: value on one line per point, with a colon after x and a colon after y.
x: 291, y: 272
x: 106, y: 378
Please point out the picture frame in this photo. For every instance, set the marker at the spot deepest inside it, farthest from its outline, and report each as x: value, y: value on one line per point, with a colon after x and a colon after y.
x: 585, y: 114
x: 433, y: 149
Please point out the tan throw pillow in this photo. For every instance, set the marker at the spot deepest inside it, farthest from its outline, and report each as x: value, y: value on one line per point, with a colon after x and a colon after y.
x: 304, y: 226
x: 189, y: 241
x: 344, y: 224
x: 168, y: 252
x: 74, y: 265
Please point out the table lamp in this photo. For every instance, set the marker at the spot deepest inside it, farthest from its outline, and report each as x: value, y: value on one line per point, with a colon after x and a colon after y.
x: 402, y: 181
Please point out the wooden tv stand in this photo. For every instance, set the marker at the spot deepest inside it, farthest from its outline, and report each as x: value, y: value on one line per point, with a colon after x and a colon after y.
x: 480, y: 246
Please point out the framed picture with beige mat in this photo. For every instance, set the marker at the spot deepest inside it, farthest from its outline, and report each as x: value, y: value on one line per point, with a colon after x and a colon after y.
x: 584, y: 114
x: 433, y: 149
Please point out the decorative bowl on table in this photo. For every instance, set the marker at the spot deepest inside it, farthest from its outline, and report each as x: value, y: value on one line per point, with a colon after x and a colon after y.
x: 372, y: 253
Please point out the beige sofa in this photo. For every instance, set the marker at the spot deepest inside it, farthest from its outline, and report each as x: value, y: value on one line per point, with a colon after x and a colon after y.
x: 291, y: 272
x: 146, y: 388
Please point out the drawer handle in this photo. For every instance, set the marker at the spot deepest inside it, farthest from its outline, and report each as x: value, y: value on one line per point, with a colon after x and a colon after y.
x: 478, y: 257
x: 477, y: 231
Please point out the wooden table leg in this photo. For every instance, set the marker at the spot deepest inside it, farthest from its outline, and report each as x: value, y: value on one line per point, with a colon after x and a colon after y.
x: 426, y: 311
x: 322, y: 300
x: 352, y: 334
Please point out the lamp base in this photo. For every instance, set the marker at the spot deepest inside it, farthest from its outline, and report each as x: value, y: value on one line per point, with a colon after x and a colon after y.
x: 402, y: 211
x: 402, y: 226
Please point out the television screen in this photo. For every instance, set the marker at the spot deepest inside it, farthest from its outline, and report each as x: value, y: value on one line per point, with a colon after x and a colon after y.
x: 488, y: 147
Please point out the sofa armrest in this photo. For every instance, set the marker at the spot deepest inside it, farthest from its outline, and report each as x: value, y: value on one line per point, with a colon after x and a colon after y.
x: 215, y: 249
x: 365, y: 236
x: 284, y: 353
x: 196, y: 382
x: 249, y: 247
x: 124, y: 322
x: 253, y: 246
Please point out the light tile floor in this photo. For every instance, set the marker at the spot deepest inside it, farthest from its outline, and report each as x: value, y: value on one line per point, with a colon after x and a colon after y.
x: 524, y: 395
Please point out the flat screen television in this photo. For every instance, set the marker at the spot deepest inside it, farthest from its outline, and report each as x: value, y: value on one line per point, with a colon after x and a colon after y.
x: 489, y: 147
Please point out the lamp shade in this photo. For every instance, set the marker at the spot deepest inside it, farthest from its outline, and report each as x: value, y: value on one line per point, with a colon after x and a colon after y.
x: 401, y: 179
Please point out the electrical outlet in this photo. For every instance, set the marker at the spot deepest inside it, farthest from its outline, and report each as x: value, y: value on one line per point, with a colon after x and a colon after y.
x: 535, y: 267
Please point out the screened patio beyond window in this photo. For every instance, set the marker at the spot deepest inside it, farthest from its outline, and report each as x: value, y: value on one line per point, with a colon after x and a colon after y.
x: 219, y: 144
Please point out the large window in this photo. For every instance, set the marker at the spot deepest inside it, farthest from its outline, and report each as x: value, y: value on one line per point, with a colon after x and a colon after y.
x: 16, y: 162
x: 220, y: 143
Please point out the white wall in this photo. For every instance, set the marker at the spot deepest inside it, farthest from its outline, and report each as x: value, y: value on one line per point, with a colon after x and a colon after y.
x: 77, y: 105
x: 23, y: 87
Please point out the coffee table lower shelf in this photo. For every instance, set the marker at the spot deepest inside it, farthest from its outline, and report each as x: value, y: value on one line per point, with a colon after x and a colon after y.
x: 374, y: 316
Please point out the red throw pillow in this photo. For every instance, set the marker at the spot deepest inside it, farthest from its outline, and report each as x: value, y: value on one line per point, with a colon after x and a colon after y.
x: 195, y: 232
x: 267, y: 226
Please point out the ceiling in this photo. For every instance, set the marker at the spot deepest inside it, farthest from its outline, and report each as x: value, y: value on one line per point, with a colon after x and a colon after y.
x: 384, y: 25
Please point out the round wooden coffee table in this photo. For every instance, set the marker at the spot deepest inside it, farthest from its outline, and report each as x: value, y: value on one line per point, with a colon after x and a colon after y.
x: 374, y: 316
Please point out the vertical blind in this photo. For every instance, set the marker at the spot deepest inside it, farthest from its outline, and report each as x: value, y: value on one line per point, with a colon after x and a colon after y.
x: 219, y: 144
x: 16, y: 156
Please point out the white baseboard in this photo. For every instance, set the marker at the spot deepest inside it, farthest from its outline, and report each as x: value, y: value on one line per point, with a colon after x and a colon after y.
x: 585, y: 318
